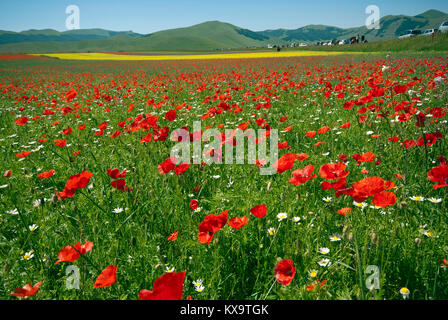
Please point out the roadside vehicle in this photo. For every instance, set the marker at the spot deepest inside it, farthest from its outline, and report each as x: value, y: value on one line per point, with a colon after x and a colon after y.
x: 429, y: 32
x: 444, y: 27
x: 410, y: 33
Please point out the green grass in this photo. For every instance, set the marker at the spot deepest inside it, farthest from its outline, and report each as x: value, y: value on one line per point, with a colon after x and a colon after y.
x: 237, y: 264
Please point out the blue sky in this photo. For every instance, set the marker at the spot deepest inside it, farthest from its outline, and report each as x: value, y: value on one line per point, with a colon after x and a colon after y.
x: 146, y: 16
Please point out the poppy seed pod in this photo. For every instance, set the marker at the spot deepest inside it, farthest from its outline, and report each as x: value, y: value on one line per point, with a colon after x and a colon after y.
x: 350, y: 236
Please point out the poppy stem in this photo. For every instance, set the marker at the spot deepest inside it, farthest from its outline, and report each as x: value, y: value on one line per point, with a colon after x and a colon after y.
x: 91, y: 200
x: 269, y: 291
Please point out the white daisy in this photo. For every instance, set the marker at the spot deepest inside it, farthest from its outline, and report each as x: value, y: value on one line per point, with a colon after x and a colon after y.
x: 199, y: 288
x: 169, y: 269
x: 271, y: 231
x: 13, y: 212
x: 28, y: 255
x: 197, y: 210
x: 324, y: 262
x: 405, y: 292
x: 282, y: 216
x: 360, y: 205
x: 335, y: 237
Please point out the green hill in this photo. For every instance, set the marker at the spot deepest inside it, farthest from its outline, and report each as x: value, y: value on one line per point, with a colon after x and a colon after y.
x: 47, y: 35
x: 207, y: 36
x: 390, y: 28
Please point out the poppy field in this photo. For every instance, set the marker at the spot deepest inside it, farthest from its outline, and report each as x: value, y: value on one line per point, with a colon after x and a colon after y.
x: 93, y: 207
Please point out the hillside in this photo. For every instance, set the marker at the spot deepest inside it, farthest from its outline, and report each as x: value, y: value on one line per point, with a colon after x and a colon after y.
x: 391, y: 28
x: 47, y: 35
x: 207, y: 36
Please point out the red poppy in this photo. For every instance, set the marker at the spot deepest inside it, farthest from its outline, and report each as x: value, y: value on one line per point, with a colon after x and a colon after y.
x: 171, y: 115
x: 173, y: 236
x: 23, y: 154
x: 146, y: 138
x: 384, y: 199
x: 71, y: 253
x: 120, y: 184
x: 400, y: 89
x: 210, y: 225
x: 302, y: 156
x: 338, y: 185
x: 430, y: 139
x: 345, y: 125
x: 75, y: 182
x: 46, y: 174
x: 409, y: 144
x: 60, y: 142
x: 366, y: 157
x: 370, y: 186
x: 27, y: 290
x: 286, y: 162
x: 312, y: 286
x: 107, y: 277
x: 440, y: 175
x: 181, y: 168
x: 115, y: 173
x: 283, y: 145
x: 70, y: 95
x: 310, y: 134
x: 259, y: 211
x: 7, y: 173
x: 237, y: 222
x: 167, y: 166
x: 194, y: 204
x: 345, y: 211
x: 284, y: 272
x: 302, y: 175
x: 284, y: 118
x: 394, y: 139
x: 333, y: 171
x: 22, y: 121
x: 167, y: 287
x: 67, y: 131
x: 323, y: 129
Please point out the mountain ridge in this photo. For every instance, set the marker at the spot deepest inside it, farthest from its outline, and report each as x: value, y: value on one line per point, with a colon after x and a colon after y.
x: 208, y: 35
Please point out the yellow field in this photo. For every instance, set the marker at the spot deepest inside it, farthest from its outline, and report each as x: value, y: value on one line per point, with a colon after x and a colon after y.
x: 111, y: 56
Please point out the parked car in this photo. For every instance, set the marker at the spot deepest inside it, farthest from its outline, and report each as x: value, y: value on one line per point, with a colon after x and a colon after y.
x: 410, y: 34
x: 444, y: 27
x: 429, y: 32
x: 303, y: 44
